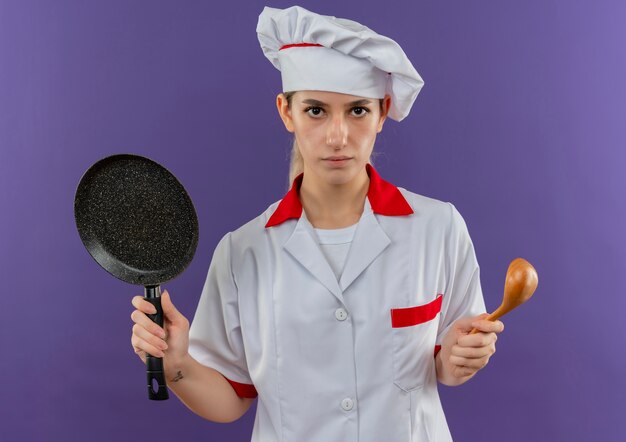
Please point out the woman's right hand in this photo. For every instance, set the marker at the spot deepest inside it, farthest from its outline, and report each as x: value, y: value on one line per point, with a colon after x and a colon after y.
x: 170, y: 342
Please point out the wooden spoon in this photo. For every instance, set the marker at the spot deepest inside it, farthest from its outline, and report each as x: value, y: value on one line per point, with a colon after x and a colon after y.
x: 520, y: 284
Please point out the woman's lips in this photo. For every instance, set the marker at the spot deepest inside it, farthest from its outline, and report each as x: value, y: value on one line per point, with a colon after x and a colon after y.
x: 337, y: 161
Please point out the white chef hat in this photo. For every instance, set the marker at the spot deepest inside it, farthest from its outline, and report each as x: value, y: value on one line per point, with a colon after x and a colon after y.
x: 326, y: 53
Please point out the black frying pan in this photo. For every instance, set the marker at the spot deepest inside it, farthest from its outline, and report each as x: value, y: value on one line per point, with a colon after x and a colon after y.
x: 138, y: 222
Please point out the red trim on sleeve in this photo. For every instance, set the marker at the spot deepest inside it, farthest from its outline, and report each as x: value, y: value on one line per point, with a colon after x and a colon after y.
x: 243, y: 390
x: 408, y: 316
x: 437, y: 348
x: 298, y: 45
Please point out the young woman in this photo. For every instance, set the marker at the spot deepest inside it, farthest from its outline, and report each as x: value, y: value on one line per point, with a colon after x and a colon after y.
x: 342, y: 304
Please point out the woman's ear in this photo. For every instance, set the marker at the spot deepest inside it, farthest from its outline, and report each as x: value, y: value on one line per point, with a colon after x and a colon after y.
x: 384, y: 113
x: 285, y: 113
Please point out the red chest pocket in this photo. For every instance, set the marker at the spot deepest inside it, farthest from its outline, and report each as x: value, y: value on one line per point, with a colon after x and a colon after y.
x: 413, y: 334
x: 408, y: 316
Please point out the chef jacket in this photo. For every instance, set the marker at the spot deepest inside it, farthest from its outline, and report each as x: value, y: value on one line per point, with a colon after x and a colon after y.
x: 348, y: 359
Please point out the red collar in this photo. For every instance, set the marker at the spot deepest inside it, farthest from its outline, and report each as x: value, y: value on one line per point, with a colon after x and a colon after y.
x: 385, y: 199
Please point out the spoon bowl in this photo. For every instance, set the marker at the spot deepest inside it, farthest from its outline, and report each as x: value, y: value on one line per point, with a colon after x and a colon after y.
x: 520, y: 284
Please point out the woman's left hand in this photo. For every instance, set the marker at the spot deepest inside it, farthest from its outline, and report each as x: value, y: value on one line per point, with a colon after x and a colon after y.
x: 462, y: 354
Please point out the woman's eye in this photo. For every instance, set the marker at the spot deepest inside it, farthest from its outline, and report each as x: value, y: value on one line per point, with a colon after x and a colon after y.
x: 360, y: 111
x: 314, y: 111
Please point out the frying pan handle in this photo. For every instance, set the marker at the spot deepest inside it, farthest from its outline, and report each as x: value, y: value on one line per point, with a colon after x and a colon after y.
x: 154, y: 365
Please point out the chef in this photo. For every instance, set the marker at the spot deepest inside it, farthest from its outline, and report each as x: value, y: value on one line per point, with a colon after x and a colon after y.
x: 341, y: 306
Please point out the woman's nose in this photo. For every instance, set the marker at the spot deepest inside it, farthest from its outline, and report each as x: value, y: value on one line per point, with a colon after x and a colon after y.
x: 337, y: 133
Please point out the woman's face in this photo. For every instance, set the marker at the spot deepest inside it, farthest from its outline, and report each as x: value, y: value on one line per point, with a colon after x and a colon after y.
x: 335, y: 132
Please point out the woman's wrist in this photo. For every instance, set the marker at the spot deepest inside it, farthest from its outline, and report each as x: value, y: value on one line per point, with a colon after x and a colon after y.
x: 175, y: 368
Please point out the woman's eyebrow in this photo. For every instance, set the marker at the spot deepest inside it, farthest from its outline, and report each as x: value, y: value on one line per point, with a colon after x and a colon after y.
x: 313, y: 102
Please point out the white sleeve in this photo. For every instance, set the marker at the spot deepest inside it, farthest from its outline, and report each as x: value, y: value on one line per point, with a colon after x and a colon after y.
x: 463, y: 295
x: 215, y: 338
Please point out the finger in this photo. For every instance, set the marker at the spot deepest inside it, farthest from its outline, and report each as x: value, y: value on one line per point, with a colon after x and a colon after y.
x: 473, y: 352
x: 465, y: 325
x: 144, y: 334
x: 170, y: 311
x: 147, y: 323
x: 140, y: 303
x: 168, y: 307
x: 141, y: 345
x: 476, y: 364
x: 461, y: 372
x: 477, y: 340
x: 488, y: 326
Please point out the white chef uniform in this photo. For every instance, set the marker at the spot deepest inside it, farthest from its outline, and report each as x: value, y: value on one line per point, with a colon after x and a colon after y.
x: 342, y: 354
x: 339, y: 360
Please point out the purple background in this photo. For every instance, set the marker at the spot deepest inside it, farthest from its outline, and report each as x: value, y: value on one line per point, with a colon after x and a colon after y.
x: 520, y: 124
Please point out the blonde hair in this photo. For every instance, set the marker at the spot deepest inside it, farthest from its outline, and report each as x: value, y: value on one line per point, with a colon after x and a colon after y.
x: 296, y: 163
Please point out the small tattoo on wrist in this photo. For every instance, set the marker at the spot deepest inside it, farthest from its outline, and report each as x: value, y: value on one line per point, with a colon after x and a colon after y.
x: 178, y: 376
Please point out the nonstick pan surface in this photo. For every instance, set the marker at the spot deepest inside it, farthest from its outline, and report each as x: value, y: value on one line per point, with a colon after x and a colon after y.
x: 136, y: 219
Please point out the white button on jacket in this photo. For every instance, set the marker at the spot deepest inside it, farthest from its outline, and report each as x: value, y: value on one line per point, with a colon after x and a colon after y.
x: 341, y: 314
x: 270, y: 318
x: 347, y: 404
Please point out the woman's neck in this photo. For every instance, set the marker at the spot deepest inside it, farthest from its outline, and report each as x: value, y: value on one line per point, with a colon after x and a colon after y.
x: 333, y: 206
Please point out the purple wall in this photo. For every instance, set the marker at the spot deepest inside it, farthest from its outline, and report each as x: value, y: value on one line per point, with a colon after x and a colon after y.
x: 520, y: 124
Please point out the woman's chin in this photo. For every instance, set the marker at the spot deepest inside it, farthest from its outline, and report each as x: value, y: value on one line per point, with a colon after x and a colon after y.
x: 339, y: 176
